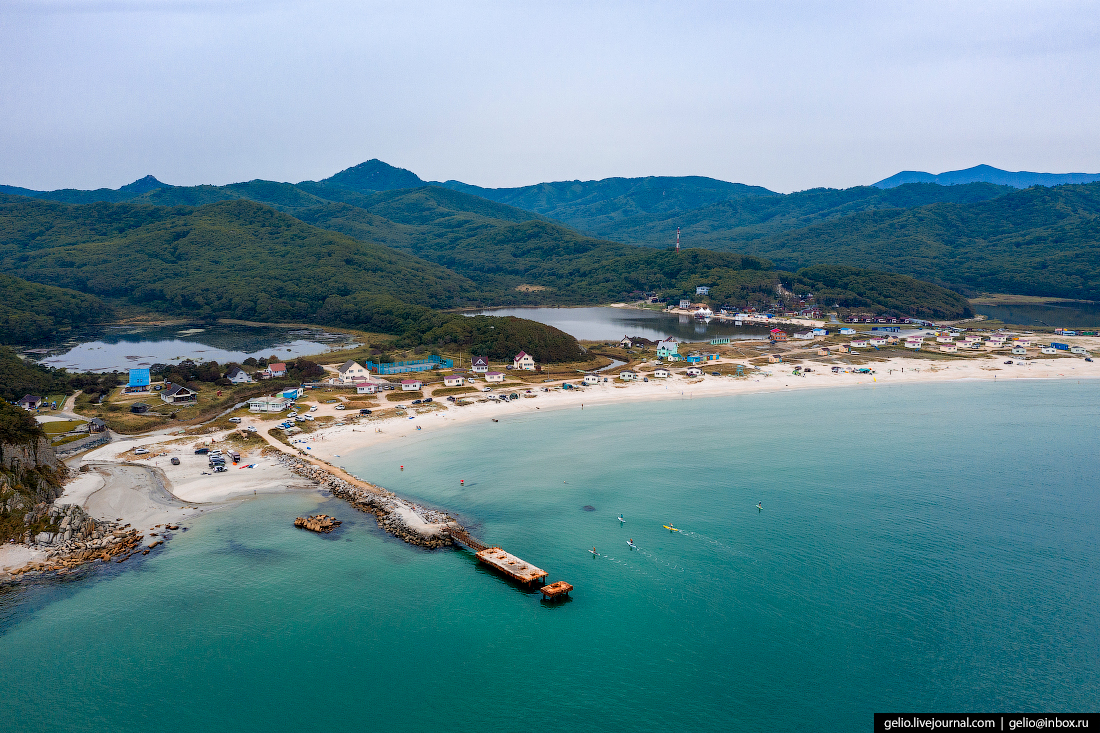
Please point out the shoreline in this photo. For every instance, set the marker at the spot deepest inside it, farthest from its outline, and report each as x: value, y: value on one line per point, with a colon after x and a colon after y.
x: 111, y: 488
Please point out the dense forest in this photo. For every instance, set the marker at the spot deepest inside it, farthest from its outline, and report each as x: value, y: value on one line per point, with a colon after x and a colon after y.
x: 35, y: 313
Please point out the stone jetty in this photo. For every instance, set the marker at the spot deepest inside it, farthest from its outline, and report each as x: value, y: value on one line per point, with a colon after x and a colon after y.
x: 410, y: 522
x: 318, y: 523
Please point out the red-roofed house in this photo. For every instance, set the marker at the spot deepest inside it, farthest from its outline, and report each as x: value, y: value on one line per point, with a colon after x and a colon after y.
x: 523, y: 360
x: 778, y: 334
x: 411, y: 385
x: 277, y: 370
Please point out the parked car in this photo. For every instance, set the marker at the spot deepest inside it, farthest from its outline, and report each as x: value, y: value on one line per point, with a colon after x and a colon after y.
x: 235, y: 420
x: 364, y: 412
x: 340, y: 407
x: 486, y: 389
x: 417, y: 402
x: 645, y: 379
x: 450, y: 399
x: 1088, y: 358
x: 175, y: 461
x: 306, y: 417
x: 313, y: 409
x: 292, y: 414
x: 140, y: 451
x: 716, y: 374
x: 220, y: 469
x: 251, y: 428
x: 427, y: 399
x: 388, y: 386
x: 1009, y: 361
x: 201, y: 451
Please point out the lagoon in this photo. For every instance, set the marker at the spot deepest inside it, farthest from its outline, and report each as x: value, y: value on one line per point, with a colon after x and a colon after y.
x: 921, y: 547
x: 123, y: 347
x: 611, y: 324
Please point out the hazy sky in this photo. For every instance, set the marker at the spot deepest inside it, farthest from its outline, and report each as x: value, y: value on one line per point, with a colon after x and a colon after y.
x: 786, y: 95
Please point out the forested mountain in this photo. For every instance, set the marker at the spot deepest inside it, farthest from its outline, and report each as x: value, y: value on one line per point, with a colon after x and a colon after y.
x: 33, y: 313
x: 1038, y: 241
x: 988, y: 174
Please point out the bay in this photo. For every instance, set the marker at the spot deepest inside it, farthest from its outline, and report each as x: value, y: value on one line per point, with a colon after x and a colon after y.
x: 920, y: 547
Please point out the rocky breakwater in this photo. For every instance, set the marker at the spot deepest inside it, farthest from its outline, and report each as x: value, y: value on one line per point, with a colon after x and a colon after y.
x: 319, y: 523
x: 410, y: 522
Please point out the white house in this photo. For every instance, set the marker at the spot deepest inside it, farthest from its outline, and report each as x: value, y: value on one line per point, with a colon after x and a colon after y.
x: 411, y: 385
x: 702, y: 290
x: 628, y: 376
x: 366, y: 388
x: 626, y: 343
x: 859, y: 343
x: 30, y: 402
x: 480, y: 364
x: 945, y: 339
x: 1048, y: 350
x: 1079, y: 350
x: 351, y: 372
x: 847, y: 331
x: 1019, y: 350
x: 661, y: 374
x: 694, y: 372
x: 453, y: 380
x: 494, y: 376
x: 949, y: 348
x: 274, y: 403
x: 820, y: 332
x: 1020, y: 342
x: 276, y: 370
x: 877, y: 341
x: 685, y: 304
x: 236, y: 375
x: 177, y: 394
x: 524, y: 361
x: 804, y: 335
x: 591, y: 379
x: 913, y: 343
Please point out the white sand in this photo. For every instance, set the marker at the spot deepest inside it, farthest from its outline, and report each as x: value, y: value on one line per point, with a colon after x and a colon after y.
x: 330, y: 444
x: 16, y: 556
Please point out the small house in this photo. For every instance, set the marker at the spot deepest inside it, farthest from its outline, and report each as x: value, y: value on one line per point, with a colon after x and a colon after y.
x: 276, y: 370
x: 480, y: 365
x: 877, y: 341
x: 693, y: 372
x: 494, y: 376
x: 824, y: 351
x: 820, y: 332
x: 591, y: 379
x: 177, y: 394
x: 1019, y: 350
x: 667, y: 347
x: 292, y: 394
x: 949, y: 348
x: 804, y: 335
x: 685, y: 304
x: 139, y: 408
x: 628, y: 376
x: 453, y: 380
x: 366, y: 388
x: 777, y: 334
x: 95, y: 425
x: 351, y: 372
x: 626, y: 343
x: 30, y: 402
x: 775, y: 359
x: 411, y: 385
x: 913, y: 343
x: 273, y: 403
x: 524, y: 361
x: 1079, y: 350
x: 139, y: 380
x: 661, y: 374
x: 236, y: 375
x: 847, y: 331
x: 1048, y: 350
x: 694, y: 358
x: 859, y: 343
x: 702, y: 290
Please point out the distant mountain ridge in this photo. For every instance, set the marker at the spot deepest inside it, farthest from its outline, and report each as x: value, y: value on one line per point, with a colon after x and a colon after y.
x: 987, y: 174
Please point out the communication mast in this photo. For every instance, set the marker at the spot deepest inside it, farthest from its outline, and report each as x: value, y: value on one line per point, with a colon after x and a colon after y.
x: 677, y: 239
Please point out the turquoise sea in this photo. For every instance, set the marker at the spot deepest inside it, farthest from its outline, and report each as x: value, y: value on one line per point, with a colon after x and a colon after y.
x: 920, y: 548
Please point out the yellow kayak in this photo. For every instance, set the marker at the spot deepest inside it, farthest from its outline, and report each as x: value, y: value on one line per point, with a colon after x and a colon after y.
x: 671, y: 529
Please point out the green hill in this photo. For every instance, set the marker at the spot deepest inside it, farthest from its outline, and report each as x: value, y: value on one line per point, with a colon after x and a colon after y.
x: 34, y: 313
x: 1037, y: 241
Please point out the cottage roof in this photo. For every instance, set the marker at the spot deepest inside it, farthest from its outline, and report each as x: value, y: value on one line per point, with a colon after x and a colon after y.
x: 481, y: 361
x: 491, y: 373
x: 175, y: 389
x: 411, y: 381
x: 30, y: 398
x: 349, y: 364
x: 235, y: 371
x: 96, y: 422
x: 520, y: 355
x: 276, y: 367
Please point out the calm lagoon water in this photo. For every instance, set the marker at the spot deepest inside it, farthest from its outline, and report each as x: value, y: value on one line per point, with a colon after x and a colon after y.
x: 1056, y: 315
x: 124, y: 347
x: 604, y: 323
x: 928, y: 548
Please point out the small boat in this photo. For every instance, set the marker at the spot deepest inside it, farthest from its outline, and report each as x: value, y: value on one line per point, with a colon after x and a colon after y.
x: 630, y: 543
x: 495, y: 420
x: 621, y: 520
x: 671, y: 529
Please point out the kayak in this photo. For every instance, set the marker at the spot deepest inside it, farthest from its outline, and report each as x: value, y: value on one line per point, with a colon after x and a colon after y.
x: 631, y: 545
x: 671, y: 529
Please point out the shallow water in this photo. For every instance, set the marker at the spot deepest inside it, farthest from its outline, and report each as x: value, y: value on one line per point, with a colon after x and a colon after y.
x: 124, y: 348
x: 1055, y: 315
x: 604, y: 323
x: 921, y: 547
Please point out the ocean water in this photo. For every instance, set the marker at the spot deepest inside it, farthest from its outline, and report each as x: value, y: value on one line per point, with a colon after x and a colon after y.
x: 605, y: 323
x: 920, y: 548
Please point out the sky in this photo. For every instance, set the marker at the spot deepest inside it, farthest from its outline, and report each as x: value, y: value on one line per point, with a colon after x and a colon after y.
x: 787, y: 95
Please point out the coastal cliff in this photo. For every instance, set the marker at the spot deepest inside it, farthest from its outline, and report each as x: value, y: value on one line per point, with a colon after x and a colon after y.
x: 30, y: 479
